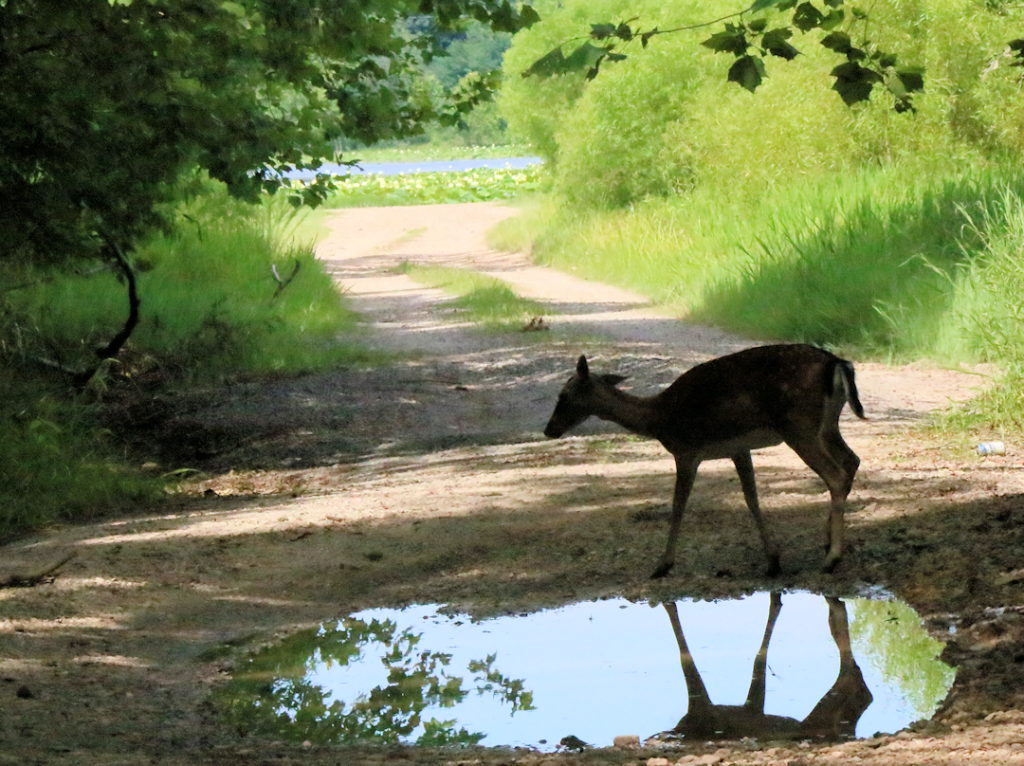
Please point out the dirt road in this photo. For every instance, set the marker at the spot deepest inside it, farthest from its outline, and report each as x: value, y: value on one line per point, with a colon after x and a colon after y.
x: 427, y: 480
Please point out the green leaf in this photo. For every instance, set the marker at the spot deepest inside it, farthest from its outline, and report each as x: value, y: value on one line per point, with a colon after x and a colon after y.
x: 854, y: 83
x: 732, y: 40
x: 912, y: 78
x: 838, y: 42
x: 832, y: 20
x: 748, y: 72
x: 602, y: 31
x: 834, y: 3
x: 774, y: 41
x: 551, y: 63
x: 646, y: 36
x: 757, y: 25
x: 587, y: 56
x: 779, y: 5
x: 807, y: 17
x: 527, y: 16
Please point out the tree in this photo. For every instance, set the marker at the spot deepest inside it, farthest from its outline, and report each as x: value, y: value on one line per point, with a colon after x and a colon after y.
x: 106, y: 103
x: 750, y: 37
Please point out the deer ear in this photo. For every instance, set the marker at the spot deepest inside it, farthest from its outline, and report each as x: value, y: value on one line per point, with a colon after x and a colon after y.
x: 613, y: 380
x: 581, y: 368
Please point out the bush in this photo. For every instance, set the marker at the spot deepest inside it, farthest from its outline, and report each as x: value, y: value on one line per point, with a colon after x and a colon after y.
x: 666, y: 121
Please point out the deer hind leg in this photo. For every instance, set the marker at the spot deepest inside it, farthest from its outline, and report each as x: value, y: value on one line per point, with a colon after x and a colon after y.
x: 848, y: 462
x: 686, y: 473
x: 828, y: 456
x: 745, y: 468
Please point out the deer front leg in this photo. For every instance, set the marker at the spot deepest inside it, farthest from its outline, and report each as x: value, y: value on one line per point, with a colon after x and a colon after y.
x: 745, y: 468
x: 836, y: 533
x: 686, y: 472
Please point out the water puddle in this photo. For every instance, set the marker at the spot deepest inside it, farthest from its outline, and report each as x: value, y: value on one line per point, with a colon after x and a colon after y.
x: 768, y: 666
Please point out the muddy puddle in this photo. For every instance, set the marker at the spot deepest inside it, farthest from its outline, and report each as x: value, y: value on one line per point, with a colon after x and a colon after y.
x: 770, y: 666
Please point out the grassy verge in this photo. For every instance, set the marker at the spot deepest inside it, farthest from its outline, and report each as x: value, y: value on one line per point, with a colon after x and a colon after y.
x: 484, y: 300
x: 894, y: 264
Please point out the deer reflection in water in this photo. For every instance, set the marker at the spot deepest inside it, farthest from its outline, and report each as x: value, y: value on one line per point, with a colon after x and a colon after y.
x: 833, y: 718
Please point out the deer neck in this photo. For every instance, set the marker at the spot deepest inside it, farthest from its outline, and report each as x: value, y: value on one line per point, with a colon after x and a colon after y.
x: 638, y: 414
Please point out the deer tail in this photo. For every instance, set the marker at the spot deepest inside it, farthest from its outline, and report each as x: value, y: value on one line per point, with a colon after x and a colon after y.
x: 844, y: 380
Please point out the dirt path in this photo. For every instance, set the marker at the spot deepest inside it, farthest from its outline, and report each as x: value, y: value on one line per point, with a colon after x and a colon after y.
x: 427, y: 480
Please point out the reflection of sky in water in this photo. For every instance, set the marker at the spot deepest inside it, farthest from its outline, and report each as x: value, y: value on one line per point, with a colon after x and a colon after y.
x: 600, y: 669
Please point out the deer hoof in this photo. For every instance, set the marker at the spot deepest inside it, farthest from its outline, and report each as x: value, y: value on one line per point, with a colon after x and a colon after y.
x: 662, y: 570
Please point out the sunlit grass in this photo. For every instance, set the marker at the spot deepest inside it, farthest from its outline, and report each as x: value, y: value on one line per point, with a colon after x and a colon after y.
x: 483, y: 299
x: 894, y: 264
x: 223, y: 294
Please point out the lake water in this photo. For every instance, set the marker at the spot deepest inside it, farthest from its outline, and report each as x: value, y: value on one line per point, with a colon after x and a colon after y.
x: 395, y: 168
x: 768, y: 666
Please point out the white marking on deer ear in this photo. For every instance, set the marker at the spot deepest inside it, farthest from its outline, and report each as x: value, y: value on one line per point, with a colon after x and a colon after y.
x: 581, y: 367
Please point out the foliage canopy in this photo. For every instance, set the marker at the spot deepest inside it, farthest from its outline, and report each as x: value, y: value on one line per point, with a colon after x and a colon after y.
x: 106, y: 103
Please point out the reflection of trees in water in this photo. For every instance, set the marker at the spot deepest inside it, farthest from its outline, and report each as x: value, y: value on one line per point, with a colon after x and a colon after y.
x: 891, y: 635
x: 271, y: 693
x: 834, y: 717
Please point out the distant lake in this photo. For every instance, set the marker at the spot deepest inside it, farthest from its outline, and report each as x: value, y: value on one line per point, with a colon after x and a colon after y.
x: 434, y: 166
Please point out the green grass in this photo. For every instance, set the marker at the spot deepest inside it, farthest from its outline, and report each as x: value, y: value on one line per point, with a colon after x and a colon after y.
x: 479, y: 185
x: 57, y: 464
x: 228, y: 293
x: 877, y: 261
x: 212, y: 309
x: 485, y: 300
x: 894, y: 263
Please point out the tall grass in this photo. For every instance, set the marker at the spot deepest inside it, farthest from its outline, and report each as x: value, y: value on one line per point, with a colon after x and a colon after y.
x: 232, y: 290
x: 873, y: 261
x: 877, y: 266
x: 989, y: 311
x: 895, y: 263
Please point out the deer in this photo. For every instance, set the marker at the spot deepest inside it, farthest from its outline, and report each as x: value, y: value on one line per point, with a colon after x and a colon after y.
x: 834, y: 718
x: 726, y: 407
